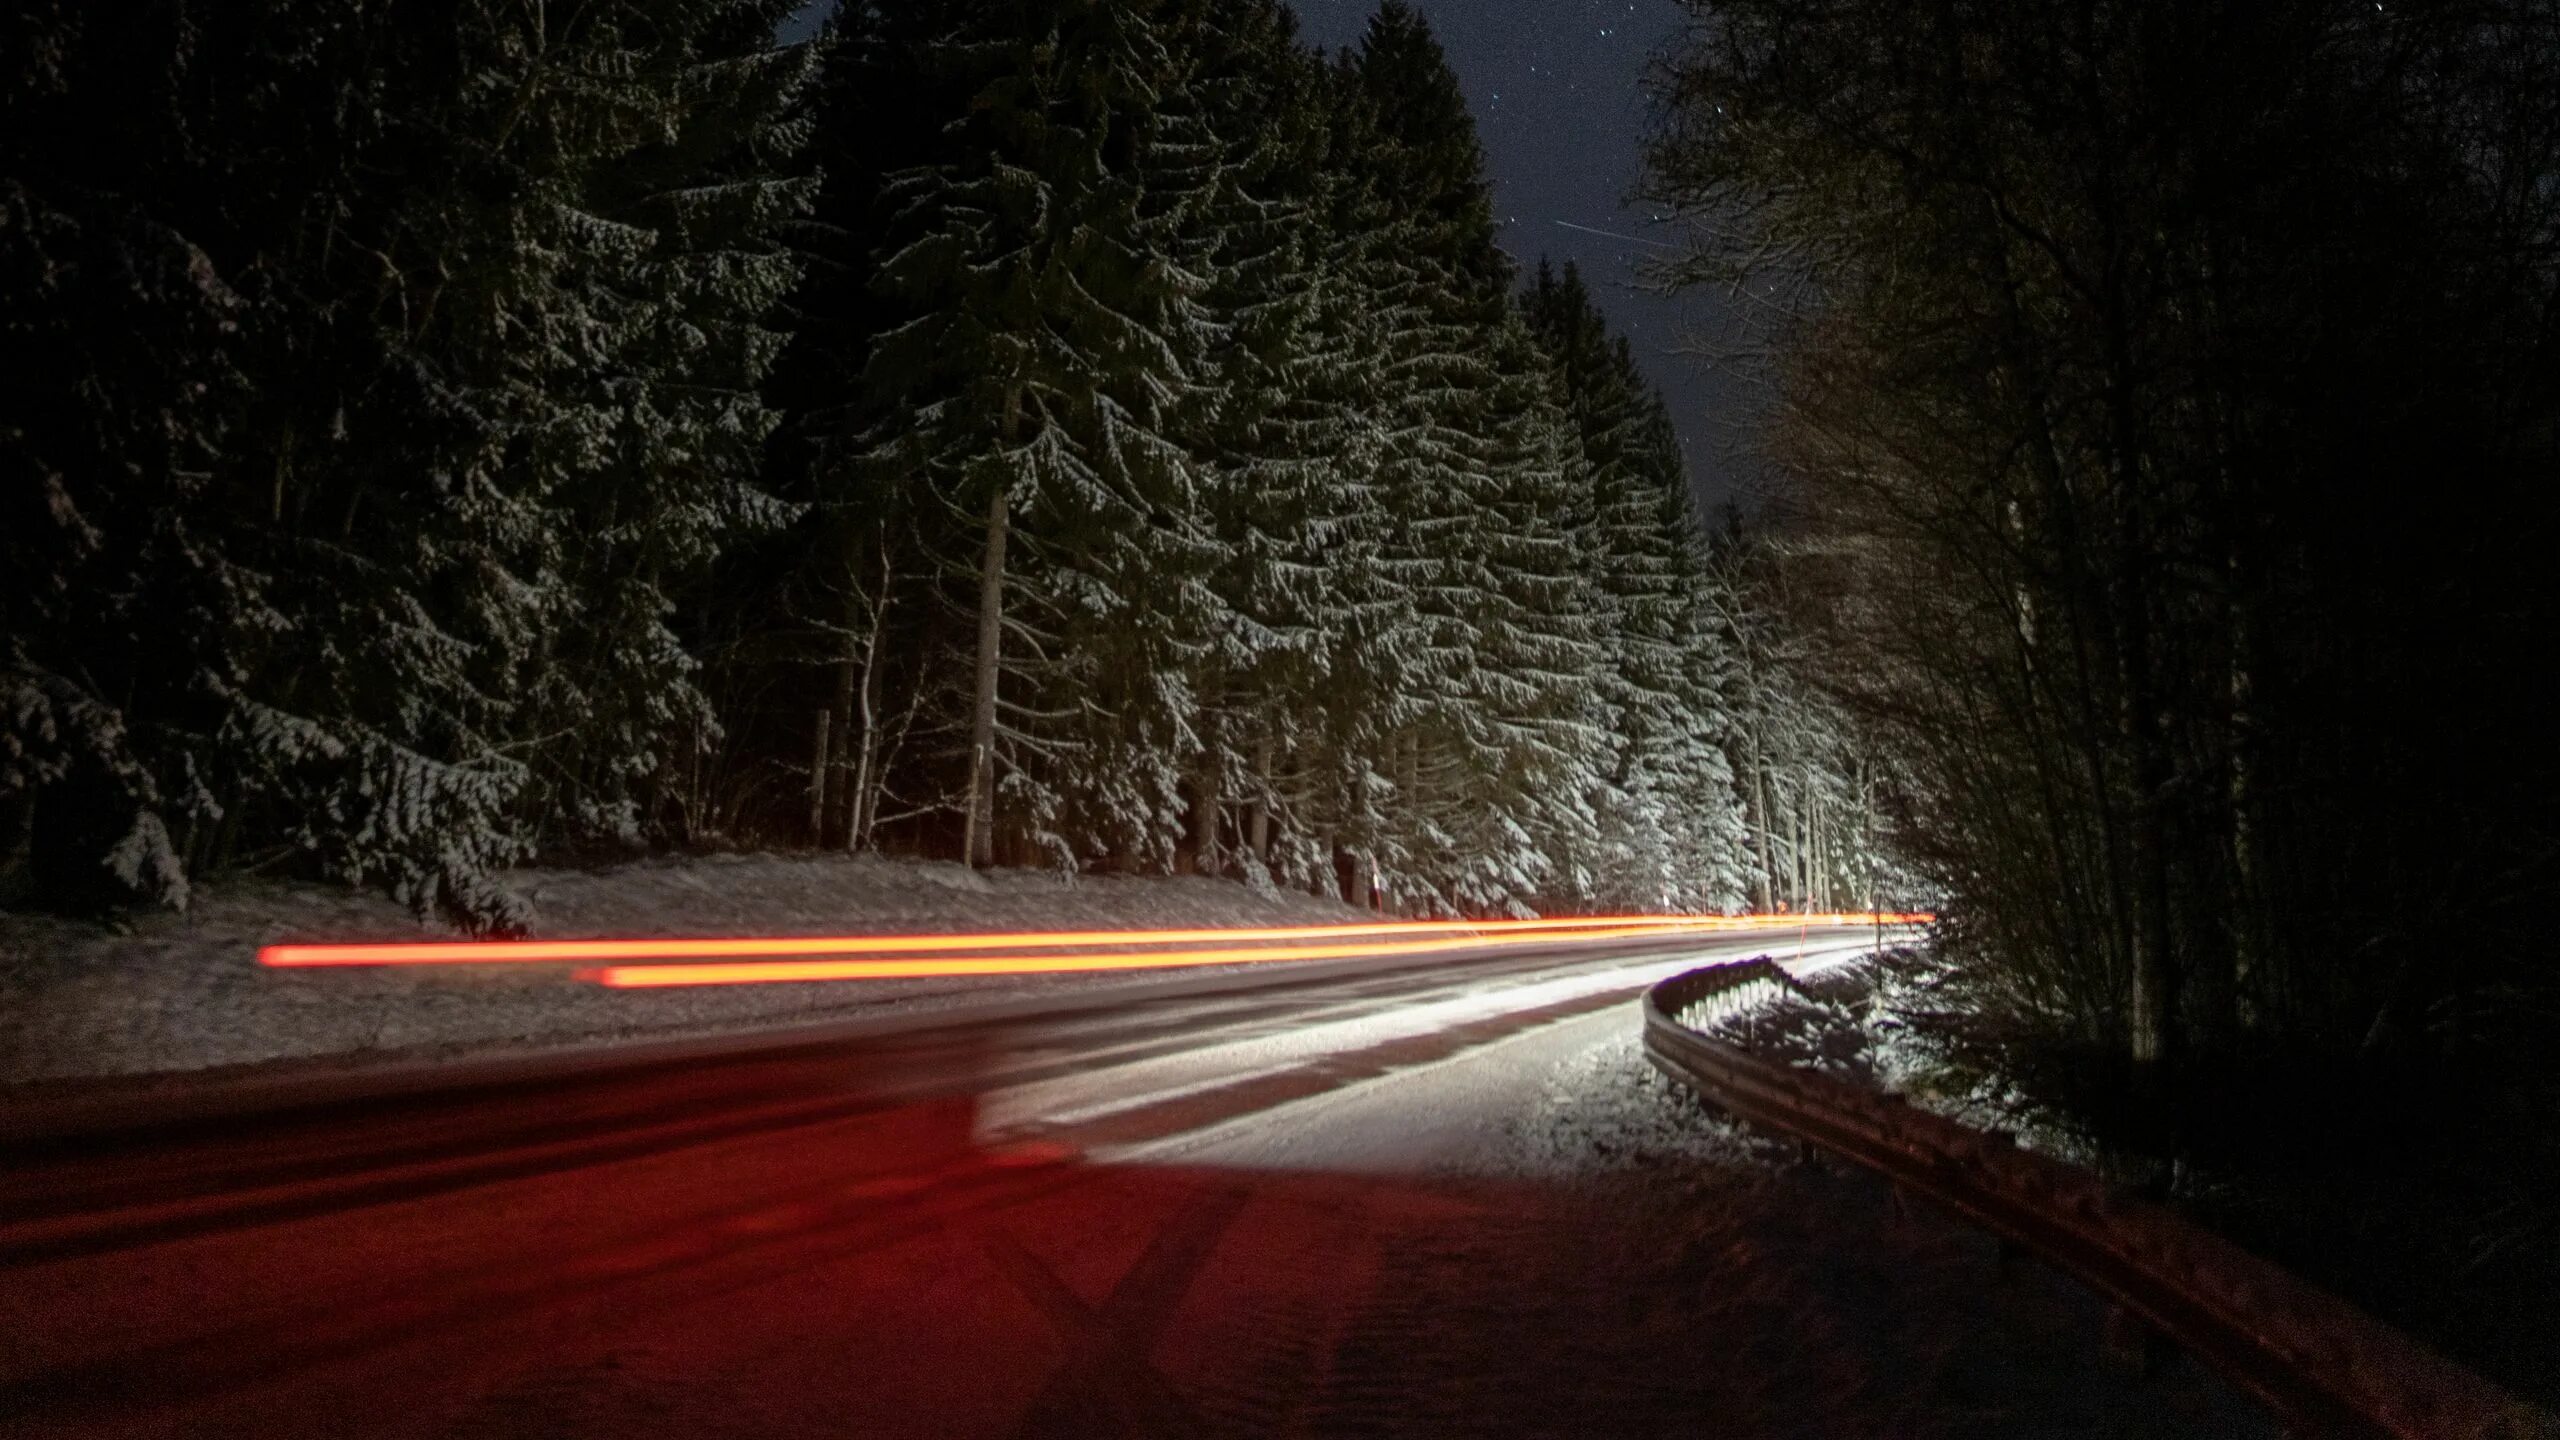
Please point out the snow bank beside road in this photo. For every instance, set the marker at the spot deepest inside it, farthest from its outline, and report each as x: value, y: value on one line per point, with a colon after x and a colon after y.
x: 184, y: 993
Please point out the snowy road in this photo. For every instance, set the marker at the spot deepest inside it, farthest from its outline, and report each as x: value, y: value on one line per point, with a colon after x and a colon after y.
x: 1415, y: 1198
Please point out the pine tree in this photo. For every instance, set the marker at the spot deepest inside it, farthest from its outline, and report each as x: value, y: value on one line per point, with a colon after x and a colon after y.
x: 1051, y: 342
x: 572, y: 239
x: 720, y: 115
x: 125, y: 341
x: 1482, y: 658
x: 1272, y: 437
x: 1305, y: 511
x: 417, y: 597
x: 1665, y: 806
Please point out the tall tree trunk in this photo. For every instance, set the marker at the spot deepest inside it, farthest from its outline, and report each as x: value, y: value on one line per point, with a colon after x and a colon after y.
x: 1867, y: 839
x: 866, y: 806
x: 818, y: 781
x: 978, y: 842
x: 2248, y: 959
x: 1801, y: 851
x: 2154, y: 1017
x: 978, y: 846
x: 2155, y: 972
x: 1260, y: 837
x: 1813, y: 877
x: 849, y: 674
x: 1354, y: 866
x: 1768, y: 832
x: 1207, y: 799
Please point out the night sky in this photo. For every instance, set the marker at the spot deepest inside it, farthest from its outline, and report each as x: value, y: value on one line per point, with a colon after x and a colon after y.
x: 1557, y: 96
x: 1555, y: 86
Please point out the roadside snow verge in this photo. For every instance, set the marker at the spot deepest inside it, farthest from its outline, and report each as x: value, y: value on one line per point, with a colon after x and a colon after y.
x: 173, y: 994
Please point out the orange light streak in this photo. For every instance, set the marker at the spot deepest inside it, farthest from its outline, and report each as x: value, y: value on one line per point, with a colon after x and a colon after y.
x: 487, y: 952
x: 650, y: 977
x: 592, y: 952
x: 490, y: 952
x: 776, y: 972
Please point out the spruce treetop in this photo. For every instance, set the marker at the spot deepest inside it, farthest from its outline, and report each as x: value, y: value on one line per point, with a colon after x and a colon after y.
x: 1430, y: 158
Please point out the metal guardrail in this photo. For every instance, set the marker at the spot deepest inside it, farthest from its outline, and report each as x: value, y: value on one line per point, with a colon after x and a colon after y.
x: 2323, y: 1366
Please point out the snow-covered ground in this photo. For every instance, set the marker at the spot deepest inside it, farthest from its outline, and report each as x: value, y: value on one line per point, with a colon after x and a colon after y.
x: 173, y: 993
x: 1341, y: 1049
x: 1560, y: 1241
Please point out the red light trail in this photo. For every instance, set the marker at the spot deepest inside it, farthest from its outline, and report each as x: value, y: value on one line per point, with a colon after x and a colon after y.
x: 657, y: 963
x: 486, y: 952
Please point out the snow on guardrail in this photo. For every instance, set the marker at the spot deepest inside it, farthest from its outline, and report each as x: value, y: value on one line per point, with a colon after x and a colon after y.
x: 2323, y: 1366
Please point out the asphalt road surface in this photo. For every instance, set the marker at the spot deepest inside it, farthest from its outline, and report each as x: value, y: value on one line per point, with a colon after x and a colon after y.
x: 1408, y: 1197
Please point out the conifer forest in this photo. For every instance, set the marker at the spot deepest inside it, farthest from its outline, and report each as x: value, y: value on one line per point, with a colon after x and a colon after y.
x: 1084, y: 436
